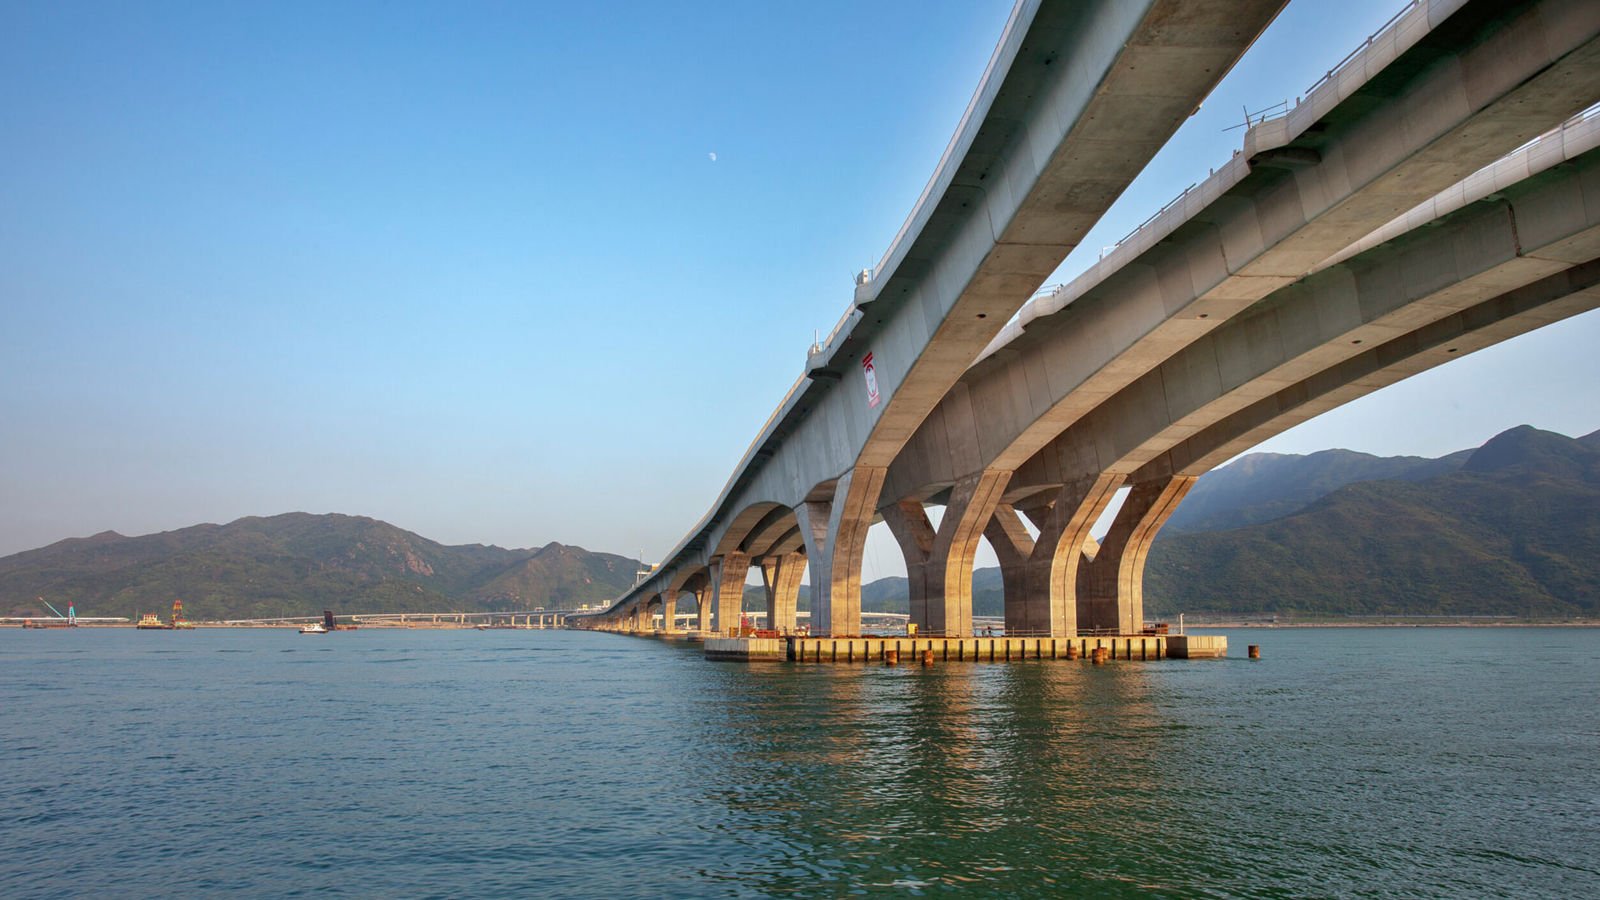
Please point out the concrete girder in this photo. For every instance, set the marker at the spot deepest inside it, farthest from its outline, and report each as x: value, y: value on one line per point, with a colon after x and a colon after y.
x: 791, y: 541
x: 1454, y: 99
x: 685, y: 575
x: 1038, y: 195
x: 1532, y: 229
x: 780, y: 576
x: 939, y: 561
x: 772, y: 528
x: 732, y: 536
x: 1562, y: 295
x: 1111, y: 581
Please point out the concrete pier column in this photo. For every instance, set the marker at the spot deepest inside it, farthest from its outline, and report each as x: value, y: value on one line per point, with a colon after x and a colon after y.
x: 702, y: 599
x: 939, y: 561
x: 781, y: 577
x: 669, y: 613
x: 1042, y: 599
x: 1111, y: 587
x: 727, y: 581
x: 1013, y: 546
x: 833, y: 524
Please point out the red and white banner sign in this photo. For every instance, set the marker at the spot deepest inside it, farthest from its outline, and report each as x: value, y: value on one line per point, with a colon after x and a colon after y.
x: 872, y: 380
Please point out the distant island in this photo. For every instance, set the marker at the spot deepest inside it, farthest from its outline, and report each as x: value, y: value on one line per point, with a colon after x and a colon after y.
x: 1511, y: 528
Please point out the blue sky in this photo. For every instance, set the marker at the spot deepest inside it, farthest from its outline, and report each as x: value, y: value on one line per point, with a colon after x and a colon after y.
x: 472, y: 268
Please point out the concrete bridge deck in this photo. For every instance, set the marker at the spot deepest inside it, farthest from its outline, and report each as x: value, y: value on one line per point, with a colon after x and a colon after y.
x: 1078, y: 96
x: 1210, y: 307
x: 1352, y: 242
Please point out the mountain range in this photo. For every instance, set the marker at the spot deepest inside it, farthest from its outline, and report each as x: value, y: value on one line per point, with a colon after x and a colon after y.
x: 1510, y: 528
x: 297, y: 564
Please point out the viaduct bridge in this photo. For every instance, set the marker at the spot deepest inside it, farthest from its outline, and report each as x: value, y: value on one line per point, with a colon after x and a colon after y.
x: 1436, y: 193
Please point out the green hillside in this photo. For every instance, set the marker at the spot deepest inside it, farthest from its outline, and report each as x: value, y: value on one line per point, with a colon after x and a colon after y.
x: 298, y: 564
x: 1261, y: 487
x: 1514, y: 531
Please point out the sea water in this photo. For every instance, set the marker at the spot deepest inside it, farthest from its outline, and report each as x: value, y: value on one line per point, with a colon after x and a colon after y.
x: 382, y: 763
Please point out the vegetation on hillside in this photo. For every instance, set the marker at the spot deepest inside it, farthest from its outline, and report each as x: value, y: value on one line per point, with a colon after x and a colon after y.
x: 1514, y: 530
x: 298, y: 564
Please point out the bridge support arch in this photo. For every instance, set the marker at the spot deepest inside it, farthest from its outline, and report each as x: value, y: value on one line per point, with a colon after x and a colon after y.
x: 833, y: 523
x: 702, y: 600
x: 649, y: 608
x: 1111, y: 586
x: 780, y: 575
x: 939, y: 561
x: 1041, y: 574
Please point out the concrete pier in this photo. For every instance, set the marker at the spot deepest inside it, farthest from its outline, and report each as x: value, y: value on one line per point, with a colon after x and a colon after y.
x: 747, y: 649
x: 973, y: 649
x: 1197, y: 646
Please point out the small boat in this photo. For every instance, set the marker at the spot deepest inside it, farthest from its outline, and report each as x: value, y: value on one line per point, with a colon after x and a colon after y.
x: 314, y: 628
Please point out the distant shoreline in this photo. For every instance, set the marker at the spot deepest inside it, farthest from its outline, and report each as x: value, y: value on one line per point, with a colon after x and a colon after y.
x: 1225, y: 624
x: 198, y: 626
x: 1450, y: 623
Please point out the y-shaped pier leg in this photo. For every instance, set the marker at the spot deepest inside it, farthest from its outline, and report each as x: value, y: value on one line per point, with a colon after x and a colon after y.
x: 781, y: 577
x: 1112, y: 586
x: 1042, y: 591
x: 939, y: 561
x: 833, y: 524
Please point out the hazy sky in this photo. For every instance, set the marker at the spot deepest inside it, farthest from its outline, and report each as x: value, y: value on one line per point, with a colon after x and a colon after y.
x: 517, y: 272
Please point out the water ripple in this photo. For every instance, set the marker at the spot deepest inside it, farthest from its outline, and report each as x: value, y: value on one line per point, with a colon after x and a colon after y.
x: 456, y: 764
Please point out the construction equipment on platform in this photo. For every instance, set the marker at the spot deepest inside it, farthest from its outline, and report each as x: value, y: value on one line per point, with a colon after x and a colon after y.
x: 70, y: 620
x: 152, y: 622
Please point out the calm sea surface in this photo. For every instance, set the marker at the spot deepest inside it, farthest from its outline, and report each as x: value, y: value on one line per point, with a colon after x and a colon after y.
x: 1416, y: 762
